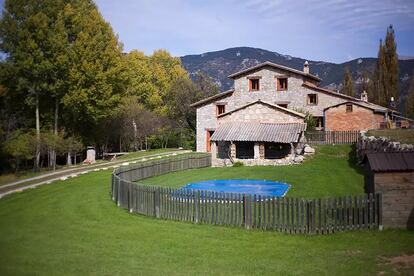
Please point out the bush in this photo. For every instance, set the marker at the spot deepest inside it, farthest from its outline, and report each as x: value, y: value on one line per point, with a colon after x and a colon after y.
x: 238, y: 164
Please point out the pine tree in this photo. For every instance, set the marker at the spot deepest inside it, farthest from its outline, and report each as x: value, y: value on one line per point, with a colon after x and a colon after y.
x: 409, y: 102
x: 348, y: 84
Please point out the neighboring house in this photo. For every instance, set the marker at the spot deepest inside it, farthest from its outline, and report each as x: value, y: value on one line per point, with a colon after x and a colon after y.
x: 262, y: 118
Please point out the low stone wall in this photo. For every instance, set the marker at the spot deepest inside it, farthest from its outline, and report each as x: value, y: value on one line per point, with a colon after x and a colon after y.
x: 289, y: 160
x: 368, y: 144
x: 397, y: 191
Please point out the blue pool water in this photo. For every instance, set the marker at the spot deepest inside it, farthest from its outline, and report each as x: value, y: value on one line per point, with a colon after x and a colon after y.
x: 242, y: 186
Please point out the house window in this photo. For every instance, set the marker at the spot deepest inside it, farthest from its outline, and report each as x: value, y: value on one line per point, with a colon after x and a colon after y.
x: 282, y: 84
x: 254, y: 85
x: 220, y: 109
x: 312, y: 99
x: 319, y: 123
x: 349, y: 108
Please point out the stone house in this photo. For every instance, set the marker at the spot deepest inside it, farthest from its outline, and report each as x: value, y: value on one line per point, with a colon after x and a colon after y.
x: 272, y: 98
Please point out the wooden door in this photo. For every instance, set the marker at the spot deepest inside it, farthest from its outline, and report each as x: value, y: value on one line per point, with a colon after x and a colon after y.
x: 208, y: 145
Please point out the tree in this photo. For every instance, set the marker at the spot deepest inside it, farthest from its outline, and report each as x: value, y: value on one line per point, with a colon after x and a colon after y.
x: 96, y: 80
x: 386, y: 70
x: 391, y: 61
x: 166, y: 70
x: 409, y: 102
x: 29, y: 38
x: 183, y: 93
x: 367, y: 85
x: 21, y: 146
x: 348, y: 84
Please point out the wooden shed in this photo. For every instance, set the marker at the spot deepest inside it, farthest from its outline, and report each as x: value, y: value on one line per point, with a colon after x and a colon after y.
x: 392, y: 175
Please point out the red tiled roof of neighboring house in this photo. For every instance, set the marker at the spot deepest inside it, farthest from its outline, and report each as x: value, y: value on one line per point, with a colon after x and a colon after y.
x: 274, y: 65
x: 360, y: 102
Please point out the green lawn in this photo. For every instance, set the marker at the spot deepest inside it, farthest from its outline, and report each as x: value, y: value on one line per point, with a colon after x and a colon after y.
x: 72, y: 227
x: 398, y: 134
x: 329, y: 173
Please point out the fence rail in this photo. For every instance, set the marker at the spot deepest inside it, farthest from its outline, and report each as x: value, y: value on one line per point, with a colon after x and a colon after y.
x: 332, y: 137
x: 289, y: 215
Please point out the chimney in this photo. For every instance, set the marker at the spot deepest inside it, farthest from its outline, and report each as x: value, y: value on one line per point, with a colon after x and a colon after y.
x: 306, y: 67
x: 364, y: 96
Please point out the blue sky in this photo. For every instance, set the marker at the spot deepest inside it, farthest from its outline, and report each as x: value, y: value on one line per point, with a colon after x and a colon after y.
x: 330, y: 30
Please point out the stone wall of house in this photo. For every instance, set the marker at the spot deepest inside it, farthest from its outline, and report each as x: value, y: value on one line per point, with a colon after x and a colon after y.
x: 296, y: 95
x: 207, y: 120
x: 397, y: 189
x: 361, y: 118
x: 262, y: 113
x: 382, y: 144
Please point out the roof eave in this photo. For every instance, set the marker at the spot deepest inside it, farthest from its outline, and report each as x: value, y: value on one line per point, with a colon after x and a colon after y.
x: 212, y: 98
x: 242, y: 72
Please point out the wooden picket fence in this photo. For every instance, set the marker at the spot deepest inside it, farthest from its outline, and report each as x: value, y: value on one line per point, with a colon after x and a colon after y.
x: 289, y: 215
x: 331, y: 137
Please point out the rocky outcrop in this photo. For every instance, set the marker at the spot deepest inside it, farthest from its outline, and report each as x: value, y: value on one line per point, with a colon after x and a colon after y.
x: 367, y: 144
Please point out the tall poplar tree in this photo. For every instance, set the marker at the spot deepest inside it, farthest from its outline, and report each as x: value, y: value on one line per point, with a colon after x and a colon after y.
x: 348, y: 84
x: 386, y: 70
x: 391, y: 61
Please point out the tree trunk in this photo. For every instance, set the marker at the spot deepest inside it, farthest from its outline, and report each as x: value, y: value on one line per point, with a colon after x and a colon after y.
x: 55, y: 131
x: 69, y: 159
x: 37, y: 159
x: 134, y: 125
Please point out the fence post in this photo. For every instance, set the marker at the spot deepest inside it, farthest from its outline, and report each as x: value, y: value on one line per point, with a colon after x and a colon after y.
x: 119, y: 182
x: 380, y: 226
x: 246, y: 215
x: 196, y: 206
x: 130, y: 197
x: 157, y: 202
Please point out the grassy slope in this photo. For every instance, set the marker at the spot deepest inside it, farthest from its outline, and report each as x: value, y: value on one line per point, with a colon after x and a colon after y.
x: 72, y: 227
x: 329, y: 173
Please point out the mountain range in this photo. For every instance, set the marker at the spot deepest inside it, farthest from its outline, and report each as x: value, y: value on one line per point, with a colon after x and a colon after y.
x: 219, y: 64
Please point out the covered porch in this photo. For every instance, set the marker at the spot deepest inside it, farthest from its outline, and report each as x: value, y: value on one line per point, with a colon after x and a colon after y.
x: 256, y: 143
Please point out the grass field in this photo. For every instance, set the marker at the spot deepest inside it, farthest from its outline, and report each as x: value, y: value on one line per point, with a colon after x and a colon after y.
x: 329, y: 173
x: 73, y: 228
x: 398, y: 134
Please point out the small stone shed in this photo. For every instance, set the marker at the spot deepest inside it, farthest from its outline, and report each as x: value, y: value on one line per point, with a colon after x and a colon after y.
x: 392, y: 175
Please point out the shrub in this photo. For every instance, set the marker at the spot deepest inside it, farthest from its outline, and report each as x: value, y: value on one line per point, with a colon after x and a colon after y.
x: 238, y: 164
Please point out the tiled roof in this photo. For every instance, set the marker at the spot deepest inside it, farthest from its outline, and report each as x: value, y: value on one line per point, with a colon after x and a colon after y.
x: 274, y: 65
x: 212, y: 98
x: 373, y: 107
x: 391, y: 161
x: 292, y: 112
x: 369, y: 105
x: 258, y: 132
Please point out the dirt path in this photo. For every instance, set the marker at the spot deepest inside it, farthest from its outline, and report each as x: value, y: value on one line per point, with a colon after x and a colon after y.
x: 48, y: 178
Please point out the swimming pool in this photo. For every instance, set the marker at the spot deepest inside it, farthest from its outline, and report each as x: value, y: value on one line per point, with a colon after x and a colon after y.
x: 242, y: 186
